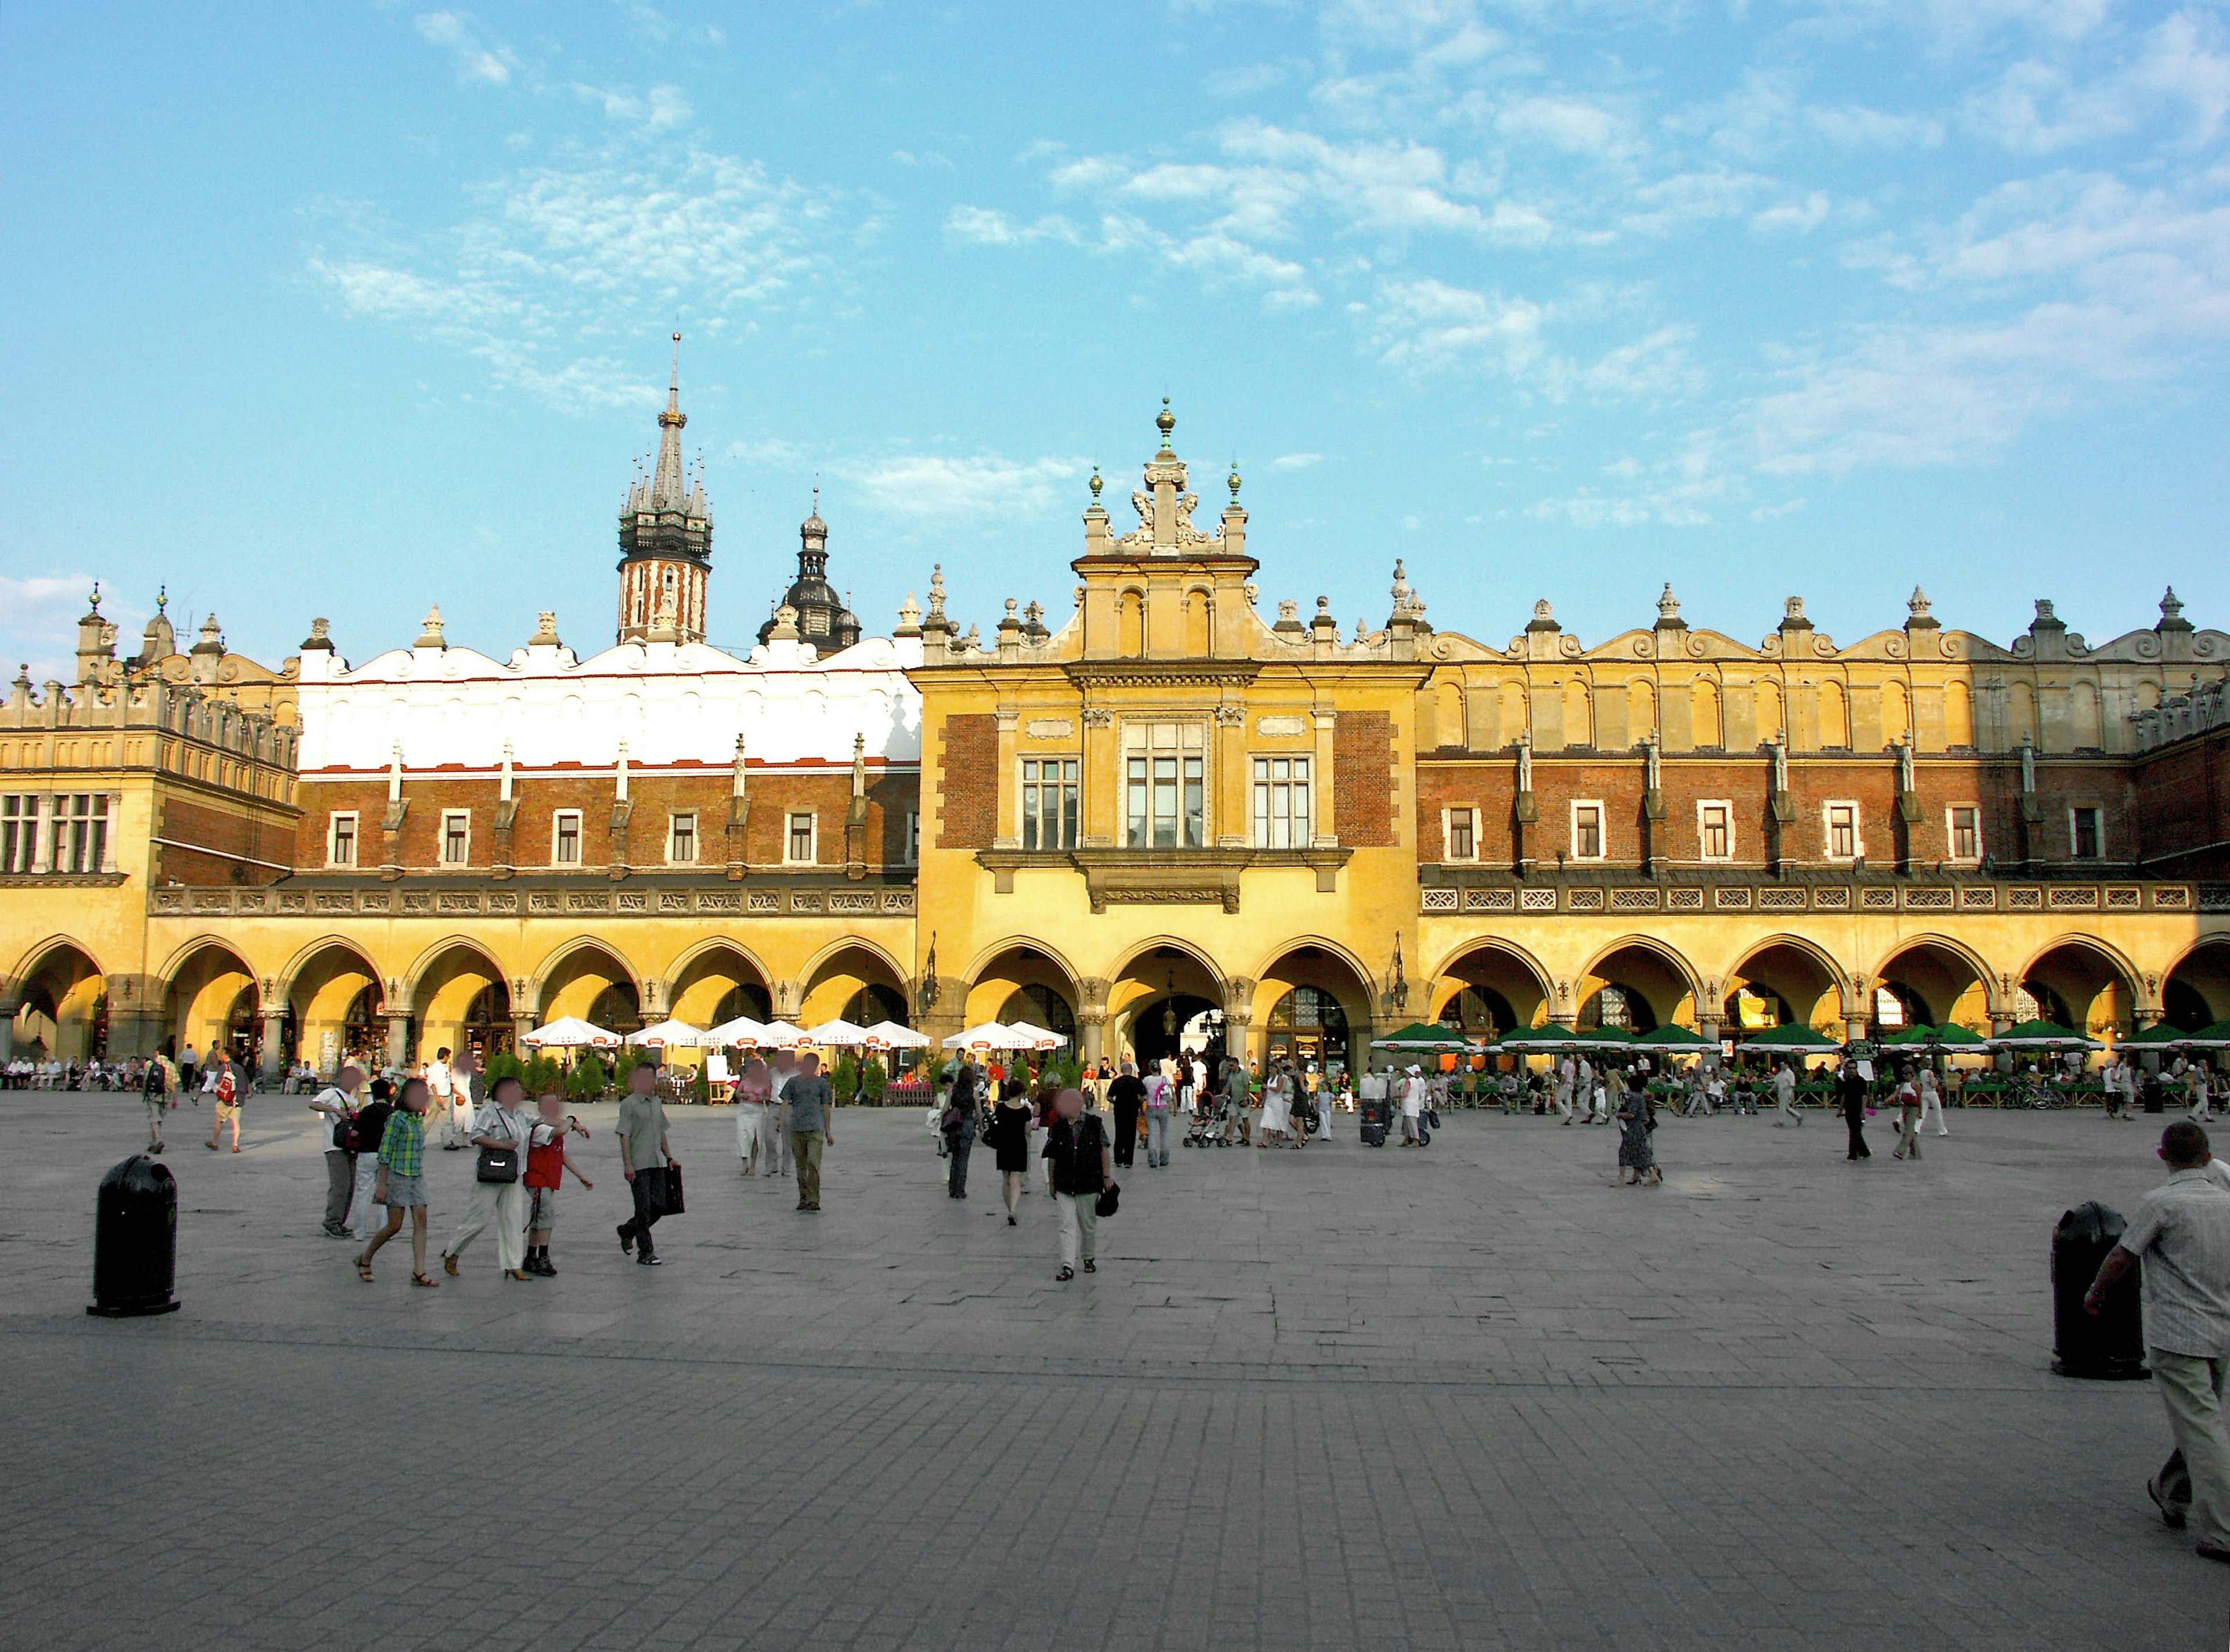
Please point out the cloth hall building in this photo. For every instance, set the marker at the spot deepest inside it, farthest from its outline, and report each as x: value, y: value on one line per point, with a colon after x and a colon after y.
x: 1187, y: 805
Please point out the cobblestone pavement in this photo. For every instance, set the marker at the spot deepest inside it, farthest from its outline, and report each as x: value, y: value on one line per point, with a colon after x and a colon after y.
x: 1474, y: 1396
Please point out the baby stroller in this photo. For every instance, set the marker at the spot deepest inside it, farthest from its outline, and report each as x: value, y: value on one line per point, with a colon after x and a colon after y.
x: 1208, y: 1123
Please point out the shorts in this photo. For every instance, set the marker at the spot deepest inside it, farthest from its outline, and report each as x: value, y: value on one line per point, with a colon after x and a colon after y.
x: 155, y: 1105
x: 543, y: 1210
x: 404, y: 1191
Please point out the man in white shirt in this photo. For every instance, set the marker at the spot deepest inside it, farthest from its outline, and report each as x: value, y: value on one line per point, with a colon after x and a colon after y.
x: 330, y: 1107
x: 2181, y: 1232
x: 1567, y: 1079
x: 1784, y: 1094
x: 442, y: 1083
x: 1413, y: 1109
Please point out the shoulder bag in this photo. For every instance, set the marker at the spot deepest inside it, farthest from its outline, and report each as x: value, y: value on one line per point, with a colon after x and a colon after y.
x: 497, y: 1165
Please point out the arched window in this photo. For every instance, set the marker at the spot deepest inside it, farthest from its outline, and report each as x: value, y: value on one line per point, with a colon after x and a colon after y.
x: 1041, y: 1006
x: 617, y: 1009
x: 1308, y: 1024
x: 1897, y: 1006
x: 746, y: 999
x: 486, y: 1028
x: 872, y: 1004
x: 1479, y: 1011
x: 1617, y: 1007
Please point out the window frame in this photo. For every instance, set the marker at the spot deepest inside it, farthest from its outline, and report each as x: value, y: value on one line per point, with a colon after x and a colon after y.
x: 334, y: 818
x: 2097, y: 812
x: 23, y: 858
x: 1066, y: 786
x: 1262, y: 787
x: 789, y: 819
x: 1184, y: 789
x: 1951, y: 812
x: 77, y: 832
x: 1703, y: 842
x: 1449, y: 814
x: 442, y: 843
x: 674, y: 827
x: 1827, y: 830
x: 912, y: 848
x: 558, y: 819
x: 1602, y: 830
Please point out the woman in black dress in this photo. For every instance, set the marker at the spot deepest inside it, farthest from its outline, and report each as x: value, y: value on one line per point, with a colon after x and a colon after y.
x: 1012, y: 1121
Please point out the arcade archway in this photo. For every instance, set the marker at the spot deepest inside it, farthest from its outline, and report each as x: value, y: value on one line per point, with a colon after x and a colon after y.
x: 62, y: 1006
x: 2197, y: 991
x: 2082, y: 986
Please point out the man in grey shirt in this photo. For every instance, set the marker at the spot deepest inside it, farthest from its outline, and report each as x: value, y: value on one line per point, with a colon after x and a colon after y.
x: 811, y: 1104
x: 644, y: 1157
x: 2181, y: 1233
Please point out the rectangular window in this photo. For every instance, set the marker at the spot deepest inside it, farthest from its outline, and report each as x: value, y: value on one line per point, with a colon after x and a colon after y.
x: 681, y: 839
x: 1164, y: 785
x: 1843, y: 842
x: 19, y: 832
x: 341, y: 839
x: 2086, y: 833
x: 912, y: 837
x: 1963, y: 828
x: 1463, y: 834
x: 798, y: 849
x: 1049, y: 802
x: 1715, y: 830
x: 1283, y: 818
x: 456, y: 837
x: 80, y: 827
x: 565, y: 837
x: 1586, y: 831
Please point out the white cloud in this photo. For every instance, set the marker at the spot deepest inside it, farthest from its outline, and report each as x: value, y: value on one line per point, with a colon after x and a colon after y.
x: 1802, y: 217
x: 1295, y: 462
x: 1429, y: 326
x: 2179, y: 72
x: 984, y: 485
x: 476, y: 59
x: 987, y: 227
x: 1570, y: 124
x: 771, y: 453
x: 560, y: 260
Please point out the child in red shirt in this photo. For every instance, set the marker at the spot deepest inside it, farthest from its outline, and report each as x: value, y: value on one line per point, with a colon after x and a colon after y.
x: 546, y: 1166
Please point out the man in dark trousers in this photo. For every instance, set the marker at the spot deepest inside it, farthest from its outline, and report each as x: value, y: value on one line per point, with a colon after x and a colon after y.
x: 1127, y: 1096
x: 1852, y: 1084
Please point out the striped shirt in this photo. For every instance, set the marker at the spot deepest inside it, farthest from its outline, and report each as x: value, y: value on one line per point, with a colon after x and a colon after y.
x: 403, y: 1144
x: 2182, y: 1231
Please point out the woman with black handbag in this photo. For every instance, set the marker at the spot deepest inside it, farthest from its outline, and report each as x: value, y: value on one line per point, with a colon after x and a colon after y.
x: 503, y: 1132
x: 1007, y: 1134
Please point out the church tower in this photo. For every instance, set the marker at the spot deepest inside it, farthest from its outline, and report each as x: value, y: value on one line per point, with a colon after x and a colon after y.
x: 666, y: 539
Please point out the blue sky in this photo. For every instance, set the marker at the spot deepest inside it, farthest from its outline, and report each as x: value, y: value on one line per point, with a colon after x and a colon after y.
x: 346, y: 310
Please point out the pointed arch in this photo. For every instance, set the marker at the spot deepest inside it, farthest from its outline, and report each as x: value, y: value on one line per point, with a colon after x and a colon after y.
x: 36, y: 957
x: 308, y: 954
x: 1812, y: 950
x: 1152, y: 944
x: 431, y: 956
x: 1495, y: 943
x: 1663, y: 951
x: 854, y: 943
x: 1364, y: 973
x: 566, y: 950
x: 992, y: 953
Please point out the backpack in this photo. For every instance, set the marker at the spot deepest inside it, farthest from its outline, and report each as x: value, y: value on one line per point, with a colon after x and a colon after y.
x: 227, y: 1091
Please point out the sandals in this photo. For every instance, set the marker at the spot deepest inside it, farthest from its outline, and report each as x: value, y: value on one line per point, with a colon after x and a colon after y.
x: 430, y: 1282
x: 514, y: 1273
x: 363, y: 1270
x: 448, y: 1264
x: 1065, y: 1273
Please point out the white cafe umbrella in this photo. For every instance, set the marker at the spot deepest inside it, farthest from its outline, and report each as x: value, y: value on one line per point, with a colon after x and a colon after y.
x: 891, y: 1035
x: 667, y: 1035
x: 838, y: 1034
x: 741, y: 1031
x: 984, y: 1035
x: 781, y: 1035
x: 1029, y: 1035
x: 571, y: 1032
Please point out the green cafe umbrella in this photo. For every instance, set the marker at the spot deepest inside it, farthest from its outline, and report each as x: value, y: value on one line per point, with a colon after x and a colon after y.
x: 1423, y: 1037
x: 1949, y: 1038
x: 1546, y: 1040
x: 1793, y: 1036
x: 1672, y: 1036
x: 2209, y: 1037
x: 2159, y: 1036
x: 2044, y: 1035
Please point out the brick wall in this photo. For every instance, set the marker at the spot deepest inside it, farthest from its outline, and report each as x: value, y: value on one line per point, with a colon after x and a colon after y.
x: 969, y: 789
x: 655, y: 798
x: 2180, y: 806
x: 1362, y: 779
x: 237, y: 840
x: 1992, y: 788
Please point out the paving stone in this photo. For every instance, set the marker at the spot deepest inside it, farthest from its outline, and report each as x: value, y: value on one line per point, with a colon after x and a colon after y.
x: 1473, y: 1396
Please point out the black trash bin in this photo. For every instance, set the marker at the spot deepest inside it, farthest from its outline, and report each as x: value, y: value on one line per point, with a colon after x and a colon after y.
x: 2156, y: 1095
x: 2109, y: 1344
x: 135, y: 1240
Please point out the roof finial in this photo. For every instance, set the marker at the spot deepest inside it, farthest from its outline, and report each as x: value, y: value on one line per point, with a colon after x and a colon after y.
x: 1165, y: 422
x: 96, y: 596
x: 162, y: 597
x: 1096, y: 485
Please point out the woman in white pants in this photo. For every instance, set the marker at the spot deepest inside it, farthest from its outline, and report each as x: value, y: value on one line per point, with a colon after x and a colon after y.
x: 1931, y: 1102
x: 752, y: 1093
x: 503, y: 1123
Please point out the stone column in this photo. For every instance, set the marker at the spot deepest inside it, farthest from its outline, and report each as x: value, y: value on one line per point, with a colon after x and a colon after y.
x: 398, y: 1038
x: 8, y: 1008
x: 1006, y: 830
x: 1708, y: 1026
x: 522, y: 1023
x: 1091, y: 1027
x: 275, y: 1054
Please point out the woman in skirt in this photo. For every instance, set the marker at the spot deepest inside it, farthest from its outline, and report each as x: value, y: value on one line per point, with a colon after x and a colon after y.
x: 1637, y: 1117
